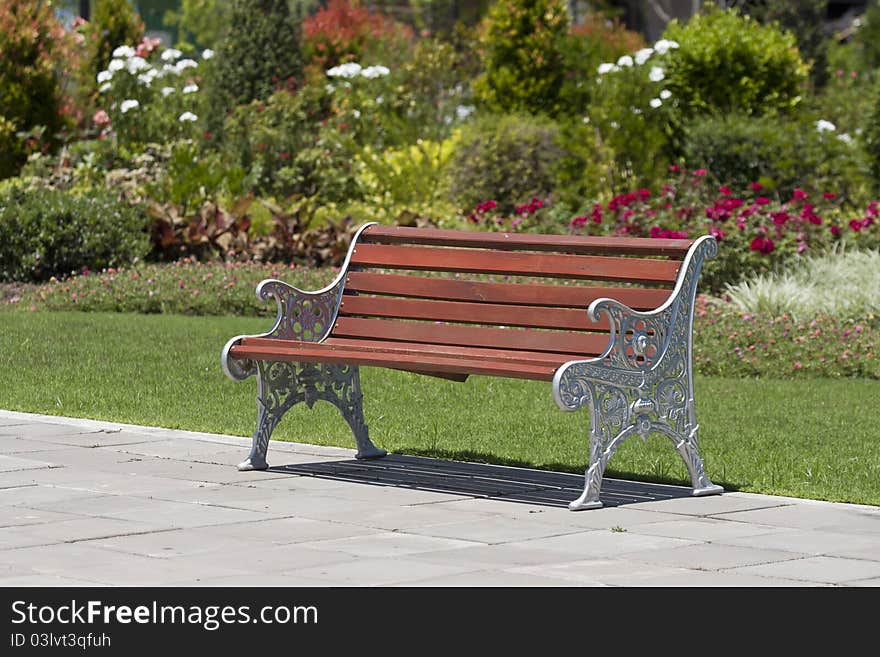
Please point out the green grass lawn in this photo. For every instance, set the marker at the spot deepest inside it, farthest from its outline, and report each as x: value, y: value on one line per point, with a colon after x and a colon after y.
x: 813, y: 438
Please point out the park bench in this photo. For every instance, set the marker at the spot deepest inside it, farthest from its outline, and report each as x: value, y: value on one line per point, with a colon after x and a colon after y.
x: 449, y: 303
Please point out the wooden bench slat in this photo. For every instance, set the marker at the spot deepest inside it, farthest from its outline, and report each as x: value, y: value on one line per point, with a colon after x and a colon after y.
x: 675, y: 248
x: 304, y: 352
x: 576, y: 344
x: 533, y: 294
x: 551, y: 265
x: 471, y: 313
x: 447, y: 351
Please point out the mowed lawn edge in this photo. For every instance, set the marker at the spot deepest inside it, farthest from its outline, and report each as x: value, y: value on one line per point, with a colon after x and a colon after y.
x: 814, y: 438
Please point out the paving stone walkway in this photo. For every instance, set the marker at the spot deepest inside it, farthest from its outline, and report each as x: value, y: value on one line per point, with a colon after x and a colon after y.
x: 100, y: 503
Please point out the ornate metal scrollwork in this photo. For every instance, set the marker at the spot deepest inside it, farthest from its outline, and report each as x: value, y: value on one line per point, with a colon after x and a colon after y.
x: 643, y: 382
x: 305, y: 317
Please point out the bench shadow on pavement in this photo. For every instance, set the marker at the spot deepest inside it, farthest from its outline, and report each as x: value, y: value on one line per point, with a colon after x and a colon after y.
x: 481, y: 480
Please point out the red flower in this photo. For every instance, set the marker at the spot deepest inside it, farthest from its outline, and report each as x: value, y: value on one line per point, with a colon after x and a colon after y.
x: 485, y: 206
x: 835, y: 230
x: 578, y: 222
x: 762, y: 200
x: 779, y: 218
x: 756, y: 186
x: 763, y: 244
x: 716, y: 233
x: 699, y: 173
x: 799, y: 195
x: 725, y: 190
x: 674, y: 168
x: 829, y: 195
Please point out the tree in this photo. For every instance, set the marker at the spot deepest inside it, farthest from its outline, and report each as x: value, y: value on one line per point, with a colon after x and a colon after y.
x: 523, y: 56
x: 259, y: 50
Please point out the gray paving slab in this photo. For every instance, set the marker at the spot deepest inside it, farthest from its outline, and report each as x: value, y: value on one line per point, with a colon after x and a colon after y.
x: 381, y: 571
x: 85, y: 502
x: 813, y: 542
x: 827, y: 570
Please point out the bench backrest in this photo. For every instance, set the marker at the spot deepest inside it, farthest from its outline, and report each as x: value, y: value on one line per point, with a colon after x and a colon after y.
x: 522, y: 307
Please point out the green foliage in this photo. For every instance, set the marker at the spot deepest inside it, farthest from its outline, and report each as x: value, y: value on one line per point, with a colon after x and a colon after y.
x: 871, y: 136
x: 259, y: 51
x: 728, y: 62
x: 508, y: 159
x: 867, y: 37
x: 114, y: 23
x: 523, y: 60
x: 290, y: 145
x: 53, y: 233
x: 782, y: 153
x: 634, y: 116
x: 595, y: 39
x: 805, y: 19
x: 32, y: 45
x: 200, y: 23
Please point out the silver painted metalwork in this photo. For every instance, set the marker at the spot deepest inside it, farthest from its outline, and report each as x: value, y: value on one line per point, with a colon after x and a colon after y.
x: 307, y: 317
x: 643, y: 382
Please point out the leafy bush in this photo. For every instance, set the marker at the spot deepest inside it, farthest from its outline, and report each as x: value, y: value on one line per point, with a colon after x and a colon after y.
x: 780, y: 152
x: 805, y: 19
x: 524, y: 62
x: 594, y: 40
x: 52, y: 233
x: 345, y: 31
x: 731, y: 63
x: 114, y: 22
x: 633, y: 113
x: 291, y: 146
x: 260, y: 51
x: 32, y: 46
x: 200, y: 23
x: 506, y: 159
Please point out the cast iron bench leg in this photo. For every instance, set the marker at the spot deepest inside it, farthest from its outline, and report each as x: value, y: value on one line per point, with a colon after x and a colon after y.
x: 282, y: 385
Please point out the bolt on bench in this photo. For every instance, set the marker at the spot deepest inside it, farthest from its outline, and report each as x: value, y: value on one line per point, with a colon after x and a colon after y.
x: 622, y: 347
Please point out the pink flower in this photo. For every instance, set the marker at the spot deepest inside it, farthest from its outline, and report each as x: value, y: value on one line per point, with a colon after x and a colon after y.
x: 101, y: 118
x: 716, y: 233
x: 799, y: 195
x: 725, y: 190
x: 756, y: 187
x: 835, y: 230
x: 699, y: 173
x: 797, y: 365
x: 779, y: 218
x: 762, y: 200
x: 674, y: 168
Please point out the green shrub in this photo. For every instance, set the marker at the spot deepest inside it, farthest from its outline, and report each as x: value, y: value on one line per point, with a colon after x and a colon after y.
x: 114, y: 23
x: 633, y: 113
x: 782, y: 153
x: 595, y: 39
x: 291, y: 147
x: 32, y: 47
x: 508, y: 159
x: 524, y: 62
x: 200, y: 23
x: 871, y: 136
x: 805, y: 19
x: 727, y: 63
x: 259, y: 50
x: 867, y: 36
x: 52, y: 233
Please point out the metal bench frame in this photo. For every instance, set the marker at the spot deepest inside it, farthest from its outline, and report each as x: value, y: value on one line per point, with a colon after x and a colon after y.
x: 642, y: 383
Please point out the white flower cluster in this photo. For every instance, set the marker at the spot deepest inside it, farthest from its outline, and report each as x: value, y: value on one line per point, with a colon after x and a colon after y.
x: 826, y: 126
x: 125, y: 58
x: 353, y: 70
x: 640, y: 58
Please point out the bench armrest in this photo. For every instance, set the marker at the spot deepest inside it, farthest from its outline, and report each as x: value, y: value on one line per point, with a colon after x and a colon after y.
x: 641, y: 345
x: 306, y: 316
